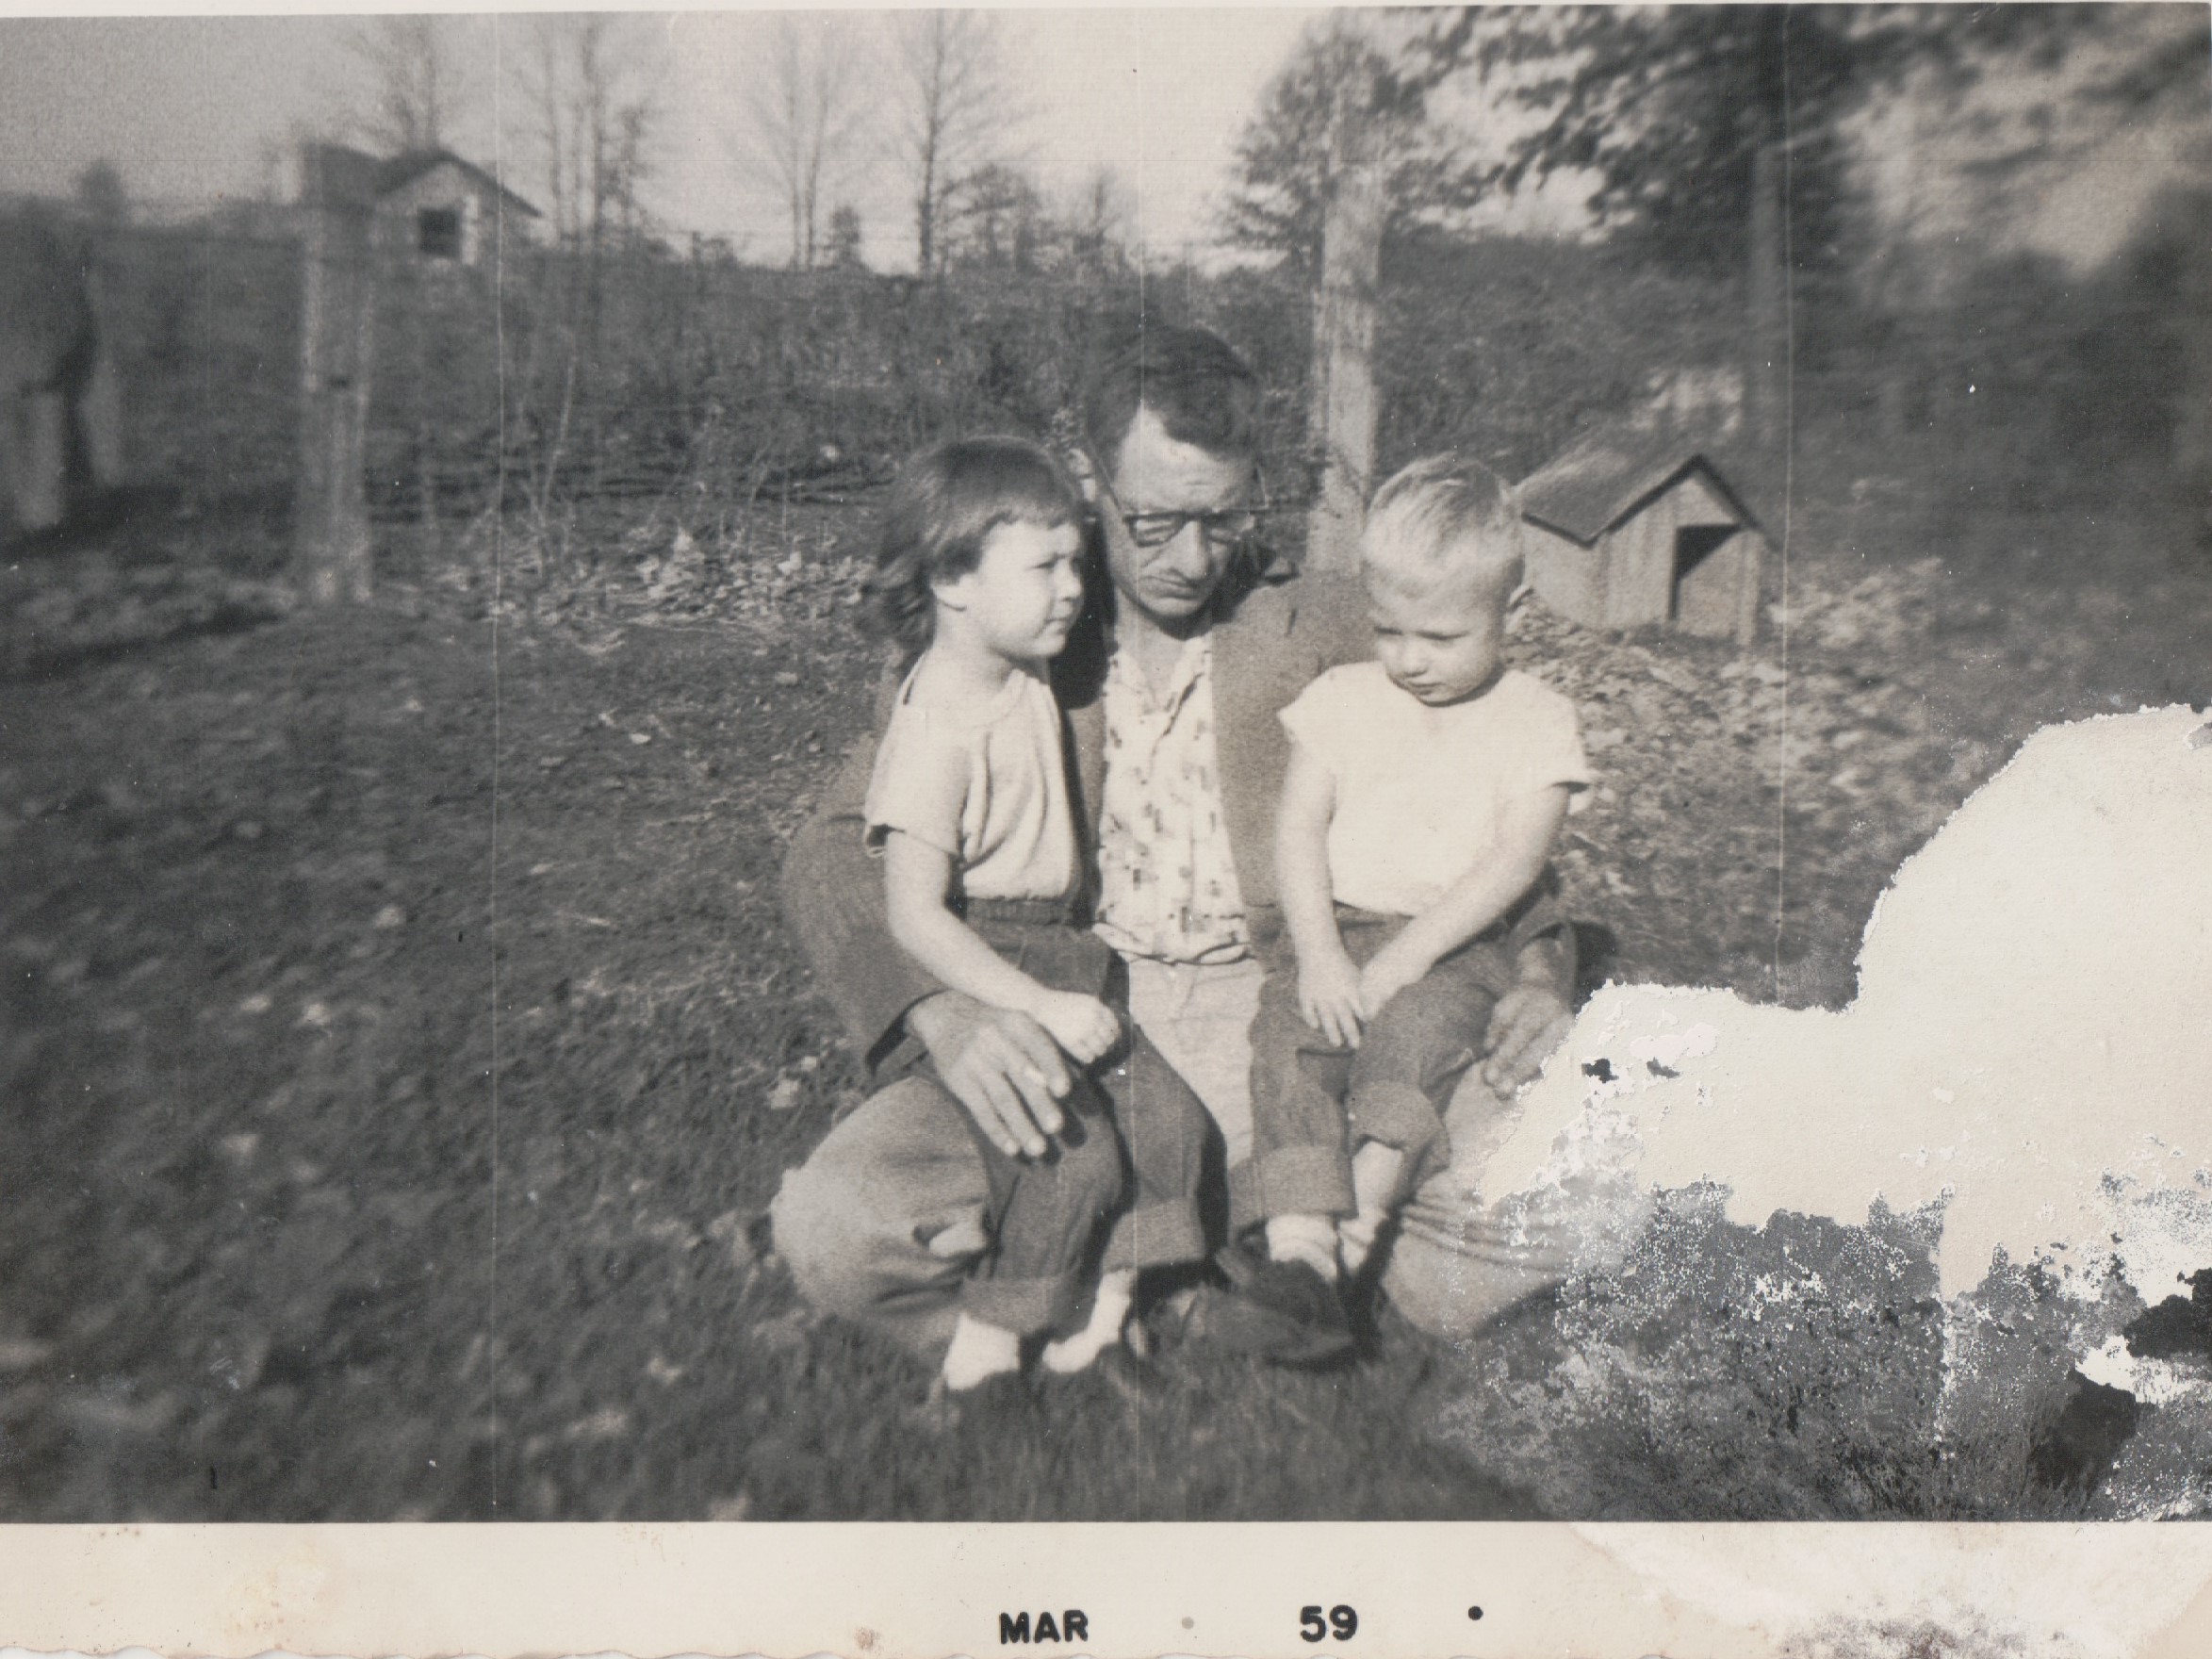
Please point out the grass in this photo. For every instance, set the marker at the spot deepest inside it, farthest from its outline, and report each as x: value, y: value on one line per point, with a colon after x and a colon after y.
x: 394, y: 1004
x: 396, y: 1011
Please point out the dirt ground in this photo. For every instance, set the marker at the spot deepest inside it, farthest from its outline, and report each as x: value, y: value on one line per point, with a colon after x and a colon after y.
x: 399, y: 1041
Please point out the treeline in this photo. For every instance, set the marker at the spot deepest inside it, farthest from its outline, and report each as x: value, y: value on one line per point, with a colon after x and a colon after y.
x: 710, y: 381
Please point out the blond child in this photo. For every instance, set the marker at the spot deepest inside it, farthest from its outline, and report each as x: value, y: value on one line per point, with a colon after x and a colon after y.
x: 979, y: 572
x: 1424, y: 791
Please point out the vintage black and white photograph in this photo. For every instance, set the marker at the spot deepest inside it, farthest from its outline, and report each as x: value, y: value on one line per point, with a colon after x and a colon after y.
x: 1566, y: 651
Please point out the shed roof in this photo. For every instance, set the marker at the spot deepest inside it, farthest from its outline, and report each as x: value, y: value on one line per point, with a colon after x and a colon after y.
x: 405, y: 169
x: 1609, y: 474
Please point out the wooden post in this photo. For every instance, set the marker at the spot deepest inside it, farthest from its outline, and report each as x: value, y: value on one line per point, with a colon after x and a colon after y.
x: 1342, y: 410
x: 100, y: 413
x: 330, y: 514
x: 58, y: 406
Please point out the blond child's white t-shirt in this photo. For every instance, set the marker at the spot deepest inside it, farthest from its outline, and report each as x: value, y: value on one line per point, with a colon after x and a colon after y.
x: 1419, y: 790
x: 985, y: 786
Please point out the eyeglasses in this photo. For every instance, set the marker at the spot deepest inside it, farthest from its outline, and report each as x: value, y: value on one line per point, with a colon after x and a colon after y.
x: 1228, y: 528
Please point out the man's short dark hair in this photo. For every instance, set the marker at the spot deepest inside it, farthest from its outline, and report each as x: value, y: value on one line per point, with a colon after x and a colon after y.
x: 1203, y: 393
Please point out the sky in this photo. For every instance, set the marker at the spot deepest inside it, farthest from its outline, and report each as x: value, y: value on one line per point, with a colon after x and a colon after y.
x: 192, y: 107
x: 187, y: 108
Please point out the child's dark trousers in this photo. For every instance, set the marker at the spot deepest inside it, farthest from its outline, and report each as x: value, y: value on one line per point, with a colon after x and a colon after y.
x: 1313, y: 1101
x: 1125, y: 1163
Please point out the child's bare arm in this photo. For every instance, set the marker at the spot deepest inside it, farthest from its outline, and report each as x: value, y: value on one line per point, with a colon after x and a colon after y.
x: 916, y: 878
x: 1328, y: 984
x: 1526, y: 831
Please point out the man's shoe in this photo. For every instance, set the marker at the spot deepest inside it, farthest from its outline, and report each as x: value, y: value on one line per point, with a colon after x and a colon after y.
x: 1279, y: 1310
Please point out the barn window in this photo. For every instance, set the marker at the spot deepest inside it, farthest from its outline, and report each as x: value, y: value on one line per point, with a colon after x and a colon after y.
x: 437, y: 233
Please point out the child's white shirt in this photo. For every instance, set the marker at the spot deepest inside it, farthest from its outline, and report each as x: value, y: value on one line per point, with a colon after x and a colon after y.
x: 985, y: 786
x: 1421, y: 791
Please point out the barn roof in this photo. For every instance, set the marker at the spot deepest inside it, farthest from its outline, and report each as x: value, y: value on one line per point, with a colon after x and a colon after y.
x: 1611, y: 473
x: 405, y: 169
x: 338, y: 175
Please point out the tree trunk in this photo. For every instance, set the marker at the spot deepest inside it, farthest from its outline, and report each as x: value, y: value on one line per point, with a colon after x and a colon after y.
x: 926, y: 210
x: 1766, y: 370
x: 1343, y: 407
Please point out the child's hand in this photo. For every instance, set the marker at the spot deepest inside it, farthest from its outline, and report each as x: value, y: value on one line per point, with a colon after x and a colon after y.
x: 1329, y: 999
x: 1387, y: 972
x: 1083, y: 1025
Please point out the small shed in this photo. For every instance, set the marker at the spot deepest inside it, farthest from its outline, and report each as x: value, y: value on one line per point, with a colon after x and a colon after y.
x: 441, y: 210
x: 1635, y: 524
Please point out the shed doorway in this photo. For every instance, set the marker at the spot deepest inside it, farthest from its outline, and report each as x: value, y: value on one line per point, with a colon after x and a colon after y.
x: 1707, y: 594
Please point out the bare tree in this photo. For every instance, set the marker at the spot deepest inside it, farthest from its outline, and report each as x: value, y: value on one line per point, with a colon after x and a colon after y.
x: 418, y: 80
x: 588, y: 79
x: 804, y: 116
x: 1098, y: 221
x: 954, y: 106
x: 844, y: 251
x: 541, y: 79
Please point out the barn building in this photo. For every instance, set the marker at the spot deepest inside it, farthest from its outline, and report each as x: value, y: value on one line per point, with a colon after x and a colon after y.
x: 1635, y: 525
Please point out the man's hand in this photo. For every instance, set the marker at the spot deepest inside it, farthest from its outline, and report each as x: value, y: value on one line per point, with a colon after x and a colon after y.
x: 1390, y: 971
x: 1002, y: 1066
x: 1083, y: 1025
x: 1528, y: 1022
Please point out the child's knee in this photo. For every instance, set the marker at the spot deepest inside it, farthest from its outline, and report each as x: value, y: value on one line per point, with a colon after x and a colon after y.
x: 1088, y: 1172
x: 1439, y: 1004
x: 1427, y: 1036
x: 1400, y: 1115
x: 1150, y: 1103
x: 1283, y: 1051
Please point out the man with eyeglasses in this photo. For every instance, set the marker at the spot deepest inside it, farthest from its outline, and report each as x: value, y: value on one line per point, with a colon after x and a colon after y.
x: 1187, y: 652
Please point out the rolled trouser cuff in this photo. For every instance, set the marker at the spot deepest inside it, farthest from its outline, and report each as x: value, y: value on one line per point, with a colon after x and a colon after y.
x: 1156, y: 1234
x: 1302, y: 1180
x: 1396, y: 1114
x: 1020, y: 1305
